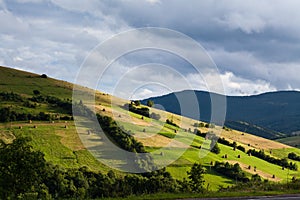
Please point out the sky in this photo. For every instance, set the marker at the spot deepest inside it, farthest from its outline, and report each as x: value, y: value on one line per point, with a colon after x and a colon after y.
x: 255, y: 44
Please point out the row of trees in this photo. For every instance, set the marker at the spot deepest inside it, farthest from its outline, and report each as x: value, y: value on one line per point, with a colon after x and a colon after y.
x: 281, y: 162
x: 231, y: 144
x: 9, y: 115
x: 170, y: 121
x: 141, y: 111
x: 294, y: 156
x: 66, y: 106
x: 25, y: 174
x: 215, y: 139
x: 10, y: 96
x: 231, y: 171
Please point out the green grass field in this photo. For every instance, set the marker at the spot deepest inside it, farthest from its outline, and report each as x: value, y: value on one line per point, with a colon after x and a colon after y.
x: 62, y: 146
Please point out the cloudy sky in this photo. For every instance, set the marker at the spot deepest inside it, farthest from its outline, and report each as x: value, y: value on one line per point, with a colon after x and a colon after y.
x: 255, y: 44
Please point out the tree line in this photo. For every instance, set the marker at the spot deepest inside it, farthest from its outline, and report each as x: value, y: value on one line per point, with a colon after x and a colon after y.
x: 26, y: 174
x: 293, y: 156
x: 231, y: 171
x: 281, y: 162
x: 8, y: 114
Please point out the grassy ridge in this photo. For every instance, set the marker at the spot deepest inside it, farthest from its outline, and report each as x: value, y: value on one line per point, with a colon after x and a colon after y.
x: 63, y: 146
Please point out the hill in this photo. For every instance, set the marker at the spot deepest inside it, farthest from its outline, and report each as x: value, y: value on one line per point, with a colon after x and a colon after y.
x: 269, y: 115
x: 57, y: 136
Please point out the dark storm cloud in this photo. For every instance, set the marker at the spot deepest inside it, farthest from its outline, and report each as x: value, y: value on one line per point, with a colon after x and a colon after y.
x: 255, y: 43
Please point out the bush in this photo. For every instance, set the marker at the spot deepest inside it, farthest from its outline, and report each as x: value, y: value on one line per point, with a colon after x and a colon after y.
x: 141, y: 111
x: 155, y: 116
x: 294, y: 156
x: 216, y: 149
x: 36, y: 92
x: 171, y: 123
x: 231, y: 171
x: 150, y: 103
x: 44, y: 76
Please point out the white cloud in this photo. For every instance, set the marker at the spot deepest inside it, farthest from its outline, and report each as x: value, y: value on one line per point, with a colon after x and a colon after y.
x: 247, y: 23
x: 239, y: 86
x: 55, y: 36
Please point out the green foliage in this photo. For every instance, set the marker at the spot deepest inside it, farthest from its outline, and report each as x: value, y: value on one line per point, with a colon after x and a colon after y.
x: 196, y: 177
x: 44, y: 76
x: 168, y: 121
x: 136, y: 102
x: 231, y: 171
x: 141, y: 111
x: 25, y: 174
x: 200, y: 125
x: 21, y: 169
x: 293, y: 156
x: 150, y: 103
x: 281, y: 162
x: 11, y: 96
x: 126, y: 141
x: 215, y: 149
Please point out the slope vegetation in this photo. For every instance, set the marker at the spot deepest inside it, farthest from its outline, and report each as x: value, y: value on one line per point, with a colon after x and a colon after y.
x: 175, y: 142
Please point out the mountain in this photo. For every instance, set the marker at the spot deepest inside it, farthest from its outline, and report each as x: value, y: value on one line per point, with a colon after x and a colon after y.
x: 45, y: 102
x: 270, y: 115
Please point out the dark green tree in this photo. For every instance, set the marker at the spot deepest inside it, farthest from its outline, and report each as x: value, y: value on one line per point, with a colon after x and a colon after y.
x: 150, y: 103
x: 21, y: 169
x: 215, y: 149
x: 137, y: 102
x: 196, y: 179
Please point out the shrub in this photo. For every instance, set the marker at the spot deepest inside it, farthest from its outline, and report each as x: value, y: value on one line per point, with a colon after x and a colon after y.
x: 44, y: 76
x: 155, y: 116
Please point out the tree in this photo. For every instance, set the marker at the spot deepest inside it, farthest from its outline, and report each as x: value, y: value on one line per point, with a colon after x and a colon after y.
x: 234, y: 145
x: 137, y: 102
x: 44, y: 76
x: 150, y: 103
x: 21, y: 169
x: 196, y: 177
x: 216, y: 149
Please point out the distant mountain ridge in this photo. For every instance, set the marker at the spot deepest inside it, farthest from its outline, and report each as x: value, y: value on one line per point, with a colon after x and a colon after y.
x: 271, y: 115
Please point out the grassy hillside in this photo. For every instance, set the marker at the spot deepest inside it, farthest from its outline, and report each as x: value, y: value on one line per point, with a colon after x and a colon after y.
x: 61, y: 144
x: 293, y: 141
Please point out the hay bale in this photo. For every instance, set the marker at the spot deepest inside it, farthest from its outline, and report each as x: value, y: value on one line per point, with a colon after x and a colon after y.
x: 35, y: 126
x: 20, y: 127
x: 66, y: 126
x: 30, y: 122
